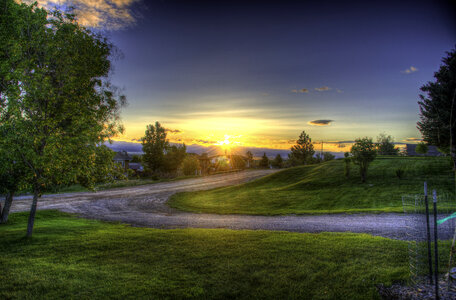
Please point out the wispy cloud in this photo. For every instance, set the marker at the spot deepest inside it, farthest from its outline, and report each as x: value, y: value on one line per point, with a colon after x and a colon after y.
x: 323, y: 89
x: 320, y: 122
x: 413, y: 140
x: 339, y: 91
x: 300, y: 90
x: 107, y: 14
x: 410, y: 70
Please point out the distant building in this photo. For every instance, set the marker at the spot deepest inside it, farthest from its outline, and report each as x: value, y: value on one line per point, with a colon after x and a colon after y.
x: 432, y: 151
x: 123, y: 158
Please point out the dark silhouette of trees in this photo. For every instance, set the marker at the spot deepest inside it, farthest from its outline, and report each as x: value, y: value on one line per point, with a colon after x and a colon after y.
x: 422, y: 148
x: 249, y: 156
x: 264, y: 162
x: 277, y: 162
x: 438, y: 109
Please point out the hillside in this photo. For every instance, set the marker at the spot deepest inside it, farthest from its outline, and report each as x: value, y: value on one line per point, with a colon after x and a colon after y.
x: 323, y: 188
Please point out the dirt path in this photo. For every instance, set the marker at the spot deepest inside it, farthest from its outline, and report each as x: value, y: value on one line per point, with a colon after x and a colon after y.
x: 146, y: 206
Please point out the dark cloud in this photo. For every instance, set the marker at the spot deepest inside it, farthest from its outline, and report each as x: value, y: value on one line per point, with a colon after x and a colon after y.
x: 136, y: 140
x: 173, y: 131
x: 205, y: 142
x: 321, y: 122
x: 304, y: 90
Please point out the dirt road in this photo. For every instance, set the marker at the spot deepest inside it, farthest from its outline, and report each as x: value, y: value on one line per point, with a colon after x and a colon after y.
x: 146, y: 206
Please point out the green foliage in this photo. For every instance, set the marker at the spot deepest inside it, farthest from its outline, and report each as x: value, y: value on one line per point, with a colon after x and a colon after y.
x: 277, y: 162
x: 438, y: 107
x: 363, y: 153
x: 190, y: 165
x: 55, y: 94
x: 71, y: 257
x: 303, y: 151
x: 173, y: 158
x: 385, y: 145
x: 322, y: 188
x: 154, y: 144
x: 422, y: 148
x: 264, y: 162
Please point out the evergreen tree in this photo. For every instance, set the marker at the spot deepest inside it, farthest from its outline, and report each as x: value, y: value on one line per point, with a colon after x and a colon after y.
x: 264, y: 162
x: 303, y: 151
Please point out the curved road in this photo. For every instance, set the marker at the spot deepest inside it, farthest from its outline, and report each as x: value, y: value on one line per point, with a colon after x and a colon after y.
x: 146, y: 206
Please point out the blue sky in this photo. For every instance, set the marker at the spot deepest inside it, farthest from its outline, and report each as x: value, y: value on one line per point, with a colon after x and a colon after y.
x: 260, y: 72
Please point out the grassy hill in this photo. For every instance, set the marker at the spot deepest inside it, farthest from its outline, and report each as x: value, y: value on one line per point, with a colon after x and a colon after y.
x: 70, y: 257
x: 323, y: 188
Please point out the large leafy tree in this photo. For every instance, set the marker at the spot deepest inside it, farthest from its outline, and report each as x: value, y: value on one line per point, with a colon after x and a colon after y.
x: 173, y: 158
x: 154, y: 145
x: 363, y: 153
x: 438, y: 108
x: 303, y: 151
x: 56, y: 101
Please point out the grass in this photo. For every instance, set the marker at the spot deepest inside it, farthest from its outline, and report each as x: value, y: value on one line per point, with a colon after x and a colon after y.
x: 323, y: 188
x: 69, y: 257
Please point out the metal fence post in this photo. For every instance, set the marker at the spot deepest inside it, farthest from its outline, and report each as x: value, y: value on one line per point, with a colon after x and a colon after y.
x: 428, y: 232
x: 436, y: 246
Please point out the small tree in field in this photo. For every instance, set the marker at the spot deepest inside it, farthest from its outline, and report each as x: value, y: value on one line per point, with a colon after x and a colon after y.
x: 421, y: 148
x: 385, y: 145
x: 303, y: 151
x: 363, y: 153
x: 347, y: 164
x: 264, y: 162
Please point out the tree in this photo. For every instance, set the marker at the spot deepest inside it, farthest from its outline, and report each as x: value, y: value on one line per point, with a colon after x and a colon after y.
x: 347, y: 164
x: 190, y: 165
x: 363, y: 153
x: 438, y: 108
x: 173, y: 158
x: 55, y: 95
x: 385, y: 145
x: 303, y: 151
x: 327, y: 156
x: 249, y: 156
x: 264, y: 162
x: 421, y: 148
x: 277, y: 161
x: 154, y: 144
x: 237, y: 162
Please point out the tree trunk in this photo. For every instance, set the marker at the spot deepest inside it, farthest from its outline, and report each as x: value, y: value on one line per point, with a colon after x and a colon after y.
x: 363, y: 174
x: 5, y: 212
x: 31, y: 220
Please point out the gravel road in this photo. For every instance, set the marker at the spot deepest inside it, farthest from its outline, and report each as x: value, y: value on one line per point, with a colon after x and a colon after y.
x: 146, y: 206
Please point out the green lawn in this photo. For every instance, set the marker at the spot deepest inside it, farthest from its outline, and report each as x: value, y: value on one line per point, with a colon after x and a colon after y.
x: 69, y: 257
x: 323, y: 188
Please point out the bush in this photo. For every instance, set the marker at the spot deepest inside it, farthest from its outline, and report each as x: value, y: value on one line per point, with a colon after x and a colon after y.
x: 400, y: 172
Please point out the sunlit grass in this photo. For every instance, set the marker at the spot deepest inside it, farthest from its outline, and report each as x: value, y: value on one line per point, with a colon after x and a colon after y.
x: 69, y: 257
x: 323, y: 188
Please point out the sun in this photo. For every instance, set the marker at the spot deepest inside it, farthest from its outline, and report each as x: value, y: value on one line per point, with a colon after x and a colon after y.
x: 228, y: 143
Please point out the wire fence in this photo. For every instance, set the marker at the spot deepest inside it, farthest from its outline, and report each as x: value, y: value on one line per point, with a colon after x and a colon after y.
x: 417, y: 234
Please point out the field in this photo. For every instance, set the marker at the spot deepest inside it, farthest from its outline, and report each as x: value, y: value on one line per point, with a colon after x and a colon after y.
x: 69, y: 257
x: 323, y: 188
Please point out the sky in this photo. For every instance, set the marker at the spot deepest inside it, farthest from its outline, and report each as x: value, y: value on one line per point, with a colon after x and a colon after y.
x: 258, y: 73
